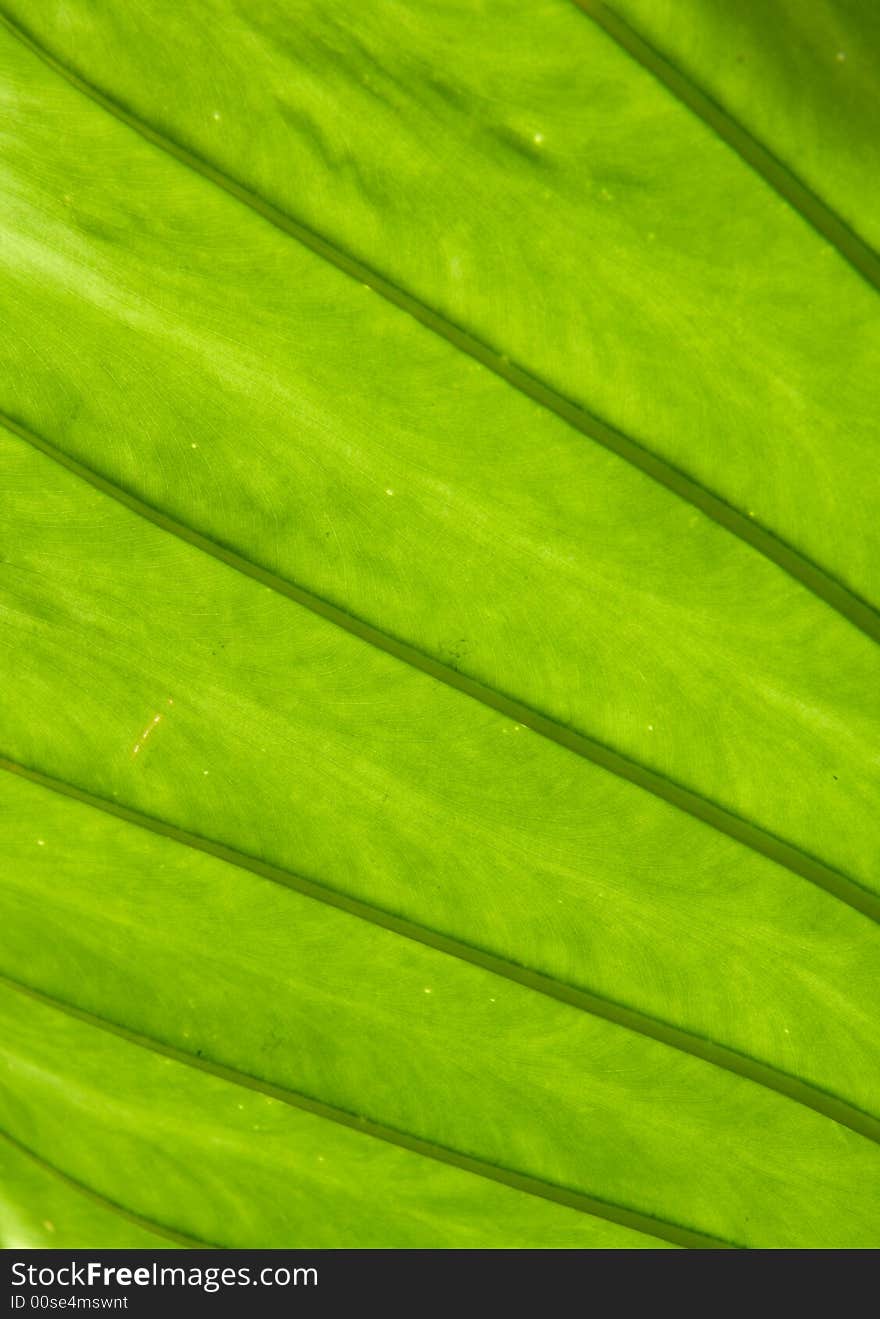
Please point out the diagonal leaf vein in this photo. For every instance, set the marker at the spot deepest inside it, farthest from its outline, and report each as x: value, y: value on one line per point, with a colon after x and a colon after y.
x: 684, y: 1041
x: 112, y: 1206
x: 772, y: 170
x: 676, y: 1233
x: 743, y: 831
x: 792, y: 561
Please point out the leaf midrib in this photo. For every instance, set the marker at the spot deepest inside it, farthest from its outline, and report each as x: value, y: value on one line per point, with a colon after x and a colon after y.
x: 806, y: 1093
x: 746, y: 832
x: 768, y: 543
x: 663, y: 1229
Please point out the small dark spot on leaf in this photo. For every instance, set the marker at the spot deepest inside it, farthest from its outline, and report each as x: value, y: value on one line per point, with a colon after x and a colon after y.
x: 453, y: 652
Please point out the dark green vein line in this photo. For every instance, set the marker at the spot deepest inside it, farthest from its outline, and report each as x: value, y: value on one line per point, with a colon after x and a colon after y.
x: 587, y: 1204
x: 717, y: 817
x: 780, y: 177
x: 146, y: 1224
x: 815, y: 578
x: 710, y: 1051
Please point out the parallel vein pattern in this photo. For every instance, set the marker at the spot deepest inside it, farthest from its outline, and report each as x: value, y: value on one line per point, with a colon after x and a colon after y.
x: 711, y: 1051
x: 627, y: 1217
x: 746, y: 528
x: 743, y: 831
x: 565, y: 989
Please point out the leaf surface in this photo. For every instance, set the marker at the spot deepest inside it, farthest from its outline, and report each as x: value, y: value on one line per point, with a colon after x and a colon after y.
x: 398, y: 728
x: 803, y: 92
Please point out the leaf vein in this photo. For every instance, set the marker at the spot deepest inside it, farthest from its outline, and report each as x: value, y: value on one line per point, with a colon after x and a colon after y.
x: 728, y: 1059
x: 635, y: 1219
x: 792, y: 561
x: 138, y: 1220
x: 743, y: 831
x: 781, y: 178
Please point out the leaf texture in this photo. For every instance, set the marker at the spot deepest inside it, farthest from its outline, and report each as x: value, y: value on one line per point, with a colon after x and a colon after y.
x: 440, y: 695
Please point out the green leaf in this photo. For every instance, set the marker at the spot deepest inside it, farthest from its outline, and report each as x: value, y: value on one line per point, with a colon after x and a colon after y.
x: 440, y: 695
